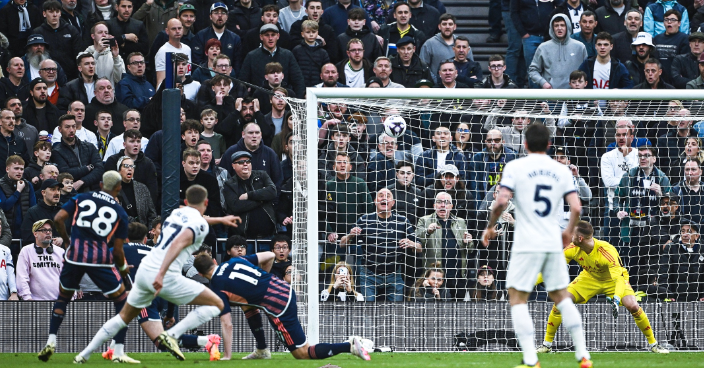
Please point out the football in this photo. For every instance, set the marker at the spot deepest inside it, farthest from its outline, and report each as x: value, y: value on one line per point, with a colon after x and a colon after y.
x: 394, y: 126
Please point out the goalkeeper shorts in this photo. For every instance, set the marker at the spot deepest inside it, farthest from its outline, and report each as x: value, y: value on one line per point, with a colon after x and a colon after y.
x: 585, y: 287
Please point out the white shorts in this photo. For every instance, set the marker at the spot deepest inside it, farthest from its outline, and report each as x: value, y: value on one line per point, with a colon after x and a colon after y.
x: 177, y: 289
x: 523, y: 270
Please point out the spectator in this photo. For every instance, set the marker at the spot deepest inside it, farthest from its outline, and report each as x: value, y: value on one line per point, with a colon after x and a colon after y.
x: 410, y: 197
x: 131, y: 120
x: 275, y: 119
x: 515, y: 66
x: 67, y: 38
x: 425, y: 17
x: 685, y: 66
x: 39, y: 265
x: 675, y: 140
x: 448, y: 180
x: 144, y: 171
x: 250, y: 194
x: 642, y: 49
x: 281, y: 142
x: 16, y: 195
x: 211, y: 49
x: 622, y: 50
x: 439, y: 48
x: 602, y: 71
x: 209, y: 118
x: 665, y: 224
x: 10, y: 144
x: 49, y: 171
x: 484, y: 288
x: 174, y: 29
x: 236, y: 246
x: 70, y: 15
x: 47, y: 71
x: 462, y: 140
x: 340, y: 142
x: 190, y: 86
x: 131, y: 34
x: 255, y: 61
x: 469, y: 72
x: 16, y: 28
x: 533, y: 23
x: 103, y: 122
x: 391, y: 33
x: 486, y: 166
x: 380, y: 171
x: 689, y: 191
x: 358, y: 29
x: 41, y: 156
x: 497, y: 77
x: 13, y: 83
x: 671, y: 43
x: 587, y: 24
x: 36, y: 53
x: 245, y: 15
x: 37, y: 111
x: 133, y: 90
x: 583, y: 190
x: 341, y: 286
x: 430, y: 286
x: 48, y: 205
x: 187, y: 16
x: 81, y: 88
x: 310, y: 54
x: 193, y: 175
x: 270, y: 15
x: 273, y: 77
x: 106, y: 52
x: 207, y: 165
x: 614, y: 164
x: 354, y: 70
x: 514, y: 135
x: 80, y: 159
x: 8, y: 285
x: 27, y: 132
x: 67, y: 192
x: 654, y: 18
x: 231, y: 45
x: 653, y: 73
x: 77, y: 109
x: 347, y: 198
x: 612, y: 15
x: 156, y: 14
x: 290, y: 14
x: 407, y: 67
x: 447, y: 242
x: 104, y: 100
x: 263, y: 157
x: 698, y: 83
x: 555, y: 59
x: 680, y: 267
x: 574, y: 9
x: 692, y: 151
x: 134, y: 197
x: 447, y: 76
x: 336, y: 15
x: 281, y: 246
x: 432, y: 161
x: 382, y: 70
x: 385, y: 238
x: 314, y: 12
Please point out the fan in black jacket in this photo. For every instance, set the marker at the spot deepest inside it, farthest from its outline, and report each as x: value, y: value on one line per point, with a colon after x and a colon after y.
x: 85, y: 166
x: 125, y: 29
x: 242, y: 18
x: 314, y: 12
x: 65, y: 38
x: 38, y: 111
x: 10, y: 23
x: 311, y: 59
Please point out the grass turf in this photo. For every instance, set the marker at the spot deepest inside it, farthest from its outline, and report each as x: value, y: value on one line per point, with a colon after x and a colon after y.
x: 405, y: 360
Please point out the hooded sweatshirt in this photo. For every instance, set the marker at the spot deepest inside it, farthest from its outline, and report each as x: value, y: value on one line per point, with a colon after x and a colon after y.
x: 554, y: 60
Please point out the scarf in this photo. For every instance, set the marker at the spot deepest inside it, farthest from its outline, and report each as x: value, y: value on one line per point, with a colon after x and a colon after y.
x: 25, y: 24
x: 105, y: 10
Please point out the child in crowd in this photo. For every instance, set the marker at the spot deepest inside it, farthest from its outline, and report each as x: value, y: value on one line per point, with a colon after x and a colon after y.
x: 67, y: 191
x: 190, y: 133
x: 209, y: 118
x: 310, y: 54
x: 103, y: 120
x: 42, y: 155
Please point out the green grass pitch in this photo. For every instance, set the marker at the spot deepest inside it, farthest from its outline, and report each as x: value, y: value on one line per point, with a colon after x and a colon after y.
x: 405, y: 360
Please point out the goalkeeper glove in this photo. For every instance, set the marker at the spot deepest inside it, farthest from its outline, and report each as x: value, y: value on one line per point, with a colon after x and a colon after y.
x: 615, y: 301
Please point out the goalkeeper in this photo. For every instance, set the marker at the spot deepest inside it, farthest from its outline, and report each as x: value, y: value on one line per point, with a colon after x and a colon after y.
x: 602, y: 273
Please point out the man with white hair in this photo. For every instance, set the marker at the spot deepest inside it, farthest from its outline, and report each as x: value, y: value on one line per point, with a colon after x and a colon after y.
x: 36, y: 52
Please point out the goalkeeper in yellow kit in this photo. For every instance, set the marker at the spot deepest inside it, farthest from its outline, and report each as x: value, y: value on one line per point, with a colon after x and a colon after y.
x: 602, y: 273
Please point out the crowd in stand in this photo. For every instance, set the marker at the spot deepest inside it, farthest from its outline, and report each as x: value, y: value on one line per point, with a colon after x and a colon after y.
x: 399, y: 216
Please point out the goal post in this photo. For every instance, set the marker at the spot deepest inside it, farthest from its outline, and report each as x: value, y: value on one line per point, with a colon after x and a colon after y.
x: 417, y: 326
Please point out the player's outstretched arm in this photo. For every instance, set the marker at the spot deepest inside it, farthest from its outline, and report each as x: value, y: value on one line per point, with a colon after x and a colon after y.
x: 572, y: 200
x: 226, y: 327
x: 229, y: 220
x: 266, y: 260
x: 60, y: 226
x: 183, y: 240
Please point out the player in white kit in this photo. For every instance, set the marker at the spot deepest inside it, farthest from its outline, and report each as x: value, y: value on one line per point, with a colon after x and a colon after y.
x: 538, y: 184
x: 160, y: 273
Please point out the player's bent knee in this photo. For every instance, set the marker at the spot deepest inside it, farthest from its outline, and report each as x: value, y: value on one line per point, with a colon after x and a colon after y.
x: 302, y: 352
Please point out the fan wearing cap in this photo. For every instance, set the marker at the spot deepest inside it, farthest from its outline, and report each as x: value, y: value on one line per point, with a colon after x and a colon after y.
x: 230, y: 42
x: 406, y: 66
x: 38, y: 111
x: 681, y: 265
x: 46, y: 208
x: 39, y: 264
x: 17, y: 19
x: 698, y: 82
x: 671, y: 43
x: 643, y: 48
x: 685, y: 66
x: 36, y: 52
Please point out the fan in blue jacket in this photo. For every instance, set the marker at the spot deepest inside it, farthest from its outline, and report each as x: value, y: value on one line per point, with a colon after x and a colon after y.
x: 618, y: 74
x: 231, y: 42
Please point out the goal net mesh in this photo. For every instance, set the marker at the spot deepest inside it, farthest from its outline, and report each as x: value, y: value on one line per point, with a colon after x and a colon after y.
x: 452, y: 294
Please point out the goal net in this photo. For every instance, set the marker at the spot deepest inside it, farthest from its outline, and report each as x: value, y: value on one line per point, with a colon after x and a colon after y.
x: 420, y: 280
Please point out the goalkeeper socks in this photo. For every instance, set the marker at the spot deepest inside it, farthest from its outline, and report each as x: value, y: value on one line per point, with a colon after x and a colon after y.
x: 57, y: 314
x: 643, y: 324
x: 109, y: 329
x: 523, y: 325
x: 324, y: 351
x: 194, y: 319
x: 254, y: 320
x: 573, y: 324
x: 554, y: 321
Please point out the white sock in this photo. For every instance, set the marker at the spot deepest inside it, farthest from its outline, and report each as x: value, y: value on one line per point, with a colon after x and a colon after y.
x: 109, y: 329
x: 119, y: 350
x: 572, y: 321
x: 51, y: 339
x: 203, y: 340
x: 194, y: 319
x: 547, y: 343
x: 112, y: 344
x: 525, y: 332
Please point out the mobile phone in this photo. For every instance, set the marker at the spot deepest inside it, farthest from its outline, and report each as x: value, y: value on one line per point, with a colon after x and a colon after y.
x: 343, y: 271
x: 111, y: 42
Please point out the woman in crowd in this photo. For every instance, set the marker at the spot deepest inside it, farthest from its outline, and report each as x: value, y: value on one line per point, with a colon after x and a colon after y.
x: 341, y: 288
x: 134, y: 196
x: 692, y: 152
x: 484, y: 287
x: 212, y: 49
x: 279, y: 141
x: 462, y: 139
x: 430, y: 285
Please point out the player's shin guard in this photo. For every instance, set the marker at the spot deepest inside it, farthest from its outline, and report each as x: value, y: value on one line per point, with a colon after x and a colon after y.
x: 57, y: 313
x: 109, y: 329
x: 554, y: 321
x: 523, y: 325
x: 324, y: 351
x: 194, y: 319
x: 573, y: 324
x: 119, y: 304
x: 254, y: 320
x: 643, y: 323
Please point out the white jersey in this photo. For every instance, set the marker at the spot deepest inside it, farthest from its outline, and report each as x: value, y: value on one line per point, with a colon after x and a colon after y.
x: 539, y: 184
x: 181, y: 219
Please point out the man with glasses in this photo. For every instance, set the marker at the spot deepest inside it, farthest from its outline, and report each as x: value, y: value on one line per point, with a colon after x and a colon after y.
x: 486, y: 166
x: 429, y: 164
x: 48, y: 205
x: 671, y: 43
x: 281, y: 246
x: 48, y: 71
x: 39, y: 264
x: 263, y: 158
x: 355, y: 70
x: 654, y: 13
x: 230, y: 41
x: 134, y: 90
x: 498, y: 77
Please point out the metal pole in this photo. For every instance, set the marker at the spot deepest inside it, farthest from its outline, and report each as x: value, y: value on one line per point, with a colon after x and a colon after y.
x: 311, y: 148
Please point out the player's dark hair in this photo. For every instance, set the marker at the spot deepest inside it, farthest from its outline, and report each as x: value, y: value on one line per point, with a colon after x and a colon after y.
x: 196, y: 194
x: 537, y: 137
x: 278, y: 238
x: 136, y: 232
x: 584, y: 228
x: 203, y: 263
